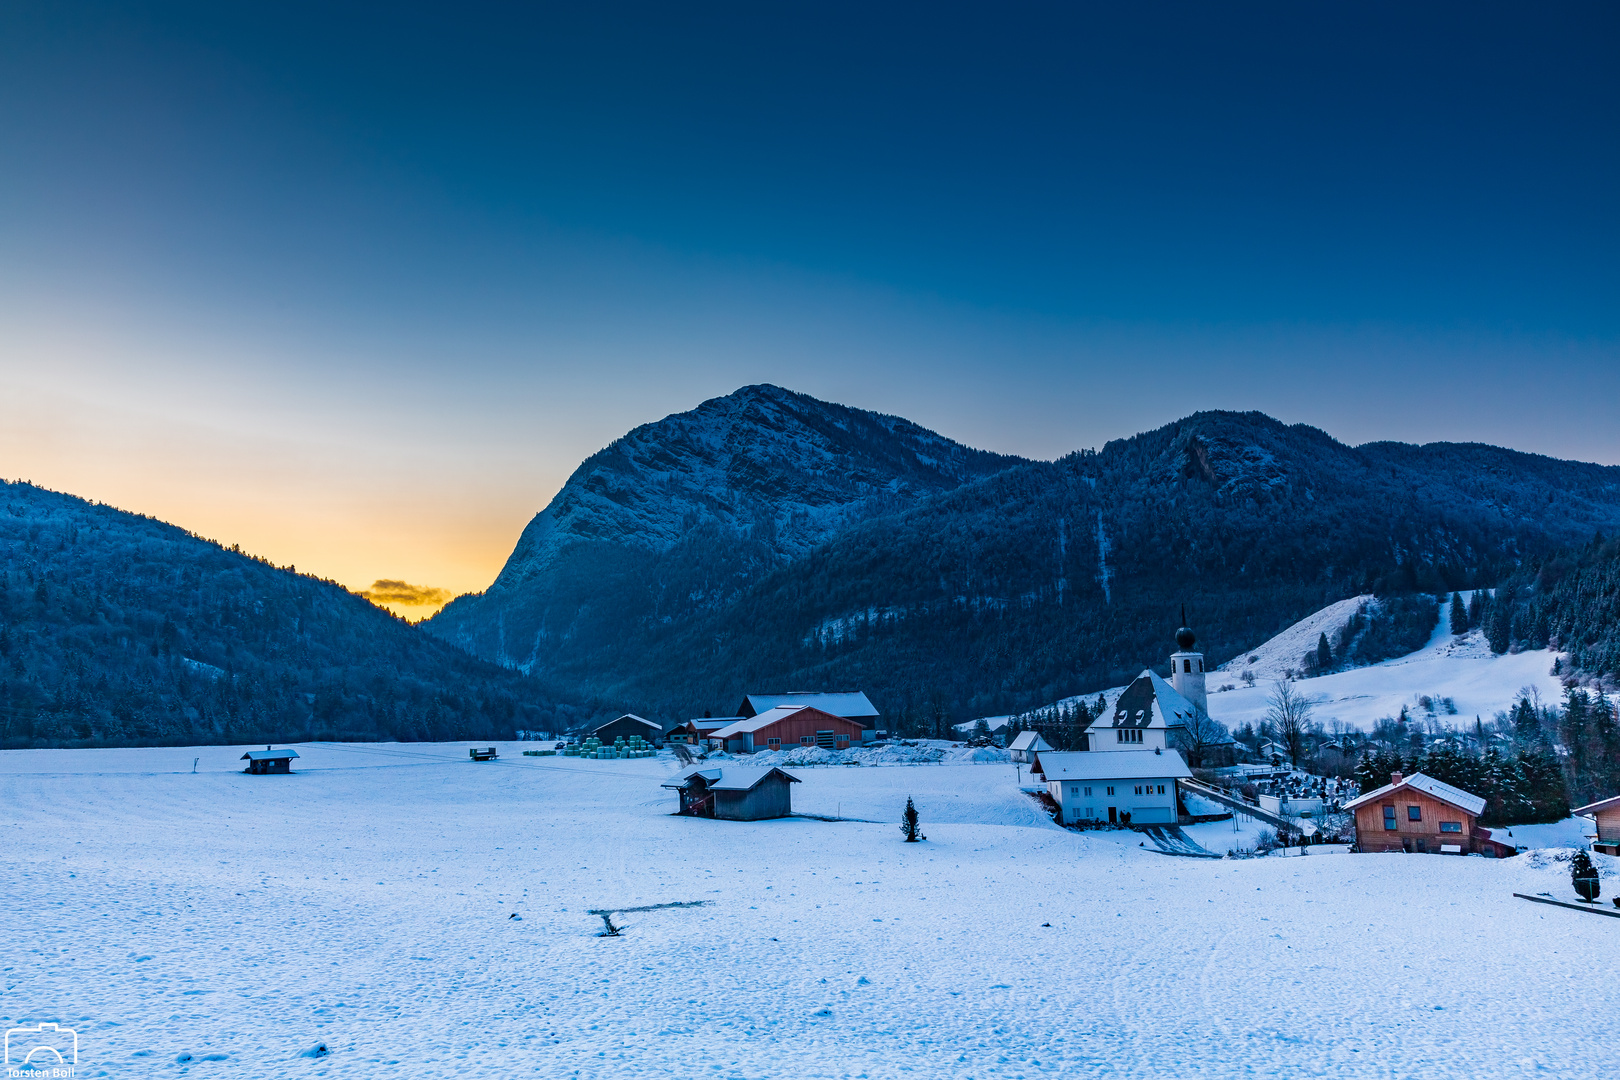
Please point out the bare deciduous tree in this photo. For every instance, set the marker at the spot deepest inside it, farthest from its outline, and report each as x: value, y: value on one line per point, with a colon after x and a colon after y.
x: 1289, y: 715
x: 1201, y: 734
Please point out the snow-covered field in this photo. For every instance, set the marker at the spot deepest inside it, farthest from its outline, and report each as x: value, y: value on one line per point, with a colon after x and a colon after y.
x: 216, y: 924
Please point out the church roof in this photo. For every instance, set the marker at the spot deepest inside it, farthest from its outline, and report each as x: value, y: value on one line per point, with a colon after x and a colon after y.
x: 1149, y: 702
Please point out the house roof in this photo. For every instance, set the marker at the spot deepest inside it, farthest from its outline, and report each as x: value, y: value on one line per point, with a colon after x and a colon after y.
x: 629, y: 716
x: 1599, y: 806
x: 850, y: 704
x: 1029, y: 740
x: 267, y: 755
x: 1057, y: 765
x: 711, y: 723
x: 730, y: 777
x: 1149, y: 702
x: 1462, y: 800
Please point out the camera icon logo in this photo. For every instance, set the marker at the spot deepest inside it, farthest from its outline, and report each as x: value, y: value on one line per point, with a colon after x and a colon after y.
x: 42, y: 1044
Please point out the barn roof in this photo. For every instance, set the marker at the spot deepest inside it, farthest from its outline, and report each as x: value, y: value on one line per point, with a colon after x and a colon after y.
x: 1059, y: 765
x: 1457, y: 797
x: 850, y: 704
x: 629, y: 716
x: 267, y: 755
x: 730, y: 777
x: 749, y: 724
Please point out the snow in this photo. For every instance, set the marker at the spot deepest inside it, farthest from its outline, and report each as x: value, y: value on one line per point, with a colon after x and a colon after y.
x: 1463, y: 669
x: 1287, y: 650
x: 1572, y: 832
x: 222, y: 925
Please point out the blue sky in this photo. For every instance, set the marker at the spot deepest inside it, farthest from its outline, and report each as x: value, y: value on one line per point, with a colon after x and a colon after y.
x: 358, y: 287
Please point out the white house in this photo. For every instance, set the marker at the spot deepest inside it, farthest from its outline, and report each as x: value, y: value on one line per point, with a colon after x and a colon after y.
x: 1106, y: 787
x: 1149, y: 715
x: 1026, y: 745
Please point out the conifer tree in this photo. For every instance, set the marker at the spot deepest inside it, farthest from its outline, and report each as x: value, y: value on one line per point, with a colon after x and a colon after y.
x: 909, y: 824
x: 1324, y: 653
x: 1459, y: 615
x: 1584, y: 876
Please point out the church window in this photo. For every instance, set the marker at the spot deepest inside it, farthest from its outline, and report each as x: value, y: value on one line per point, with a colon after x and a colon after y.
x: 1186, y: 666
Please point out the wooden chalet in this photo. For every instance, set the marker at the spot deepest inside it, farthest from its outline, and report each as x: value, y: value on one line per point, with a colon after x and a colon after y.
x: 785, y: 727
x: 735, y: 793
x: 1606, y: 813
x: 1421, y: 815
x: 267, y: 760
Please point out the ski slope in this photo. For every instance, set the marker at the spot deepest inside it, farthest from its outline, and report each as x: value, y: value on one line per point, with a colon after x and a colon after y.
x: 212, y: 924
x: 1463, y: 669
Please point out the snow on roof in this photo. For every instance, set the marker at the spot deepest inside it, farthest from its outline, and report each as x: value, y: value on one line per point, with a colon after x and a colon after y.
x: 629, y: 716
x: 1457, y: 797
x: 1148, y: 702
x: 713, y: 723
x: 851, y: 705
x: 267, y: 755
x: 730, y: 777
x: 749, y: 724
x: 1029, y: 740
x: 1059, y: 765
x: 1597, y: 807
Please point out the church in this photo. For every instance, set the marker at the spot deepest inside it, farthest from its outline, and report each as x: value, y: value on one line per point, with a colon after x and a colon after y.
x: 1128, y: 772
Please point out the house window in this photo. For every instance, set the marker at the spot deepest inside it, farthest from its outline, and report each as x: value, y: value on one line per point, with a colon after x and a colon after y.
x: 807, y: 740
x: 1110, y: 791
x: 1074, y: 789
x: 1389, y: 818
x: 1161, y: 789
x: 1139, y: 789
x: 1451, y: 826
x: 1088, y: 793
x: 1414, y: 813
x: 774, y: 744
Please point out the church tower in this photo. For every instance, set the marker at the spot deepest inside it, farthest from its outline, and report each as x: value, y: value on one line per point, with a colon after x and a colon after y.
x: 1187, y: 667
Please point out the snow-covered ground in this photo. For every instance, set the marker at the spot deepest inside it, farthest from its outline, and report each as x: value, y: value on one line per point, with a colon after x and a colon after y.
x: 1463, y: 669
x: 365, y: 903
x: 1286, y: 652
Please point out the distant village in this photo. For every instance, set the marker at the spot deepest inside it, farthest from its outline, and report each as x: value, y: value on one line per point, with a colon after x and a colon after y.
x: 1151, y: 760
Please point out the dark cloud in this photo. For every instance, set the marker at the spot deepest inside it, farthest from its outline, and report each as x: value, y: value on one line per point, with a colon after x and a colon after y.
x: 384, y: 591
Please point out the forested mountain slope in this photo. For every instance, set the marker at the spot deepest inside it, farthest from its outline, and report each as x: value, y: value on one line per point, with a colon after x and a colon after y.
x: 1051, y: 578
x: 680, y: 517
x: 116, y: 629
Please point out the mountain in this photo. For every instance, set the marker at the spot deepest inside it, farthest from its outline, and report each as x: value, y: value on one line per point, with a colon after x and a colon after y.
x: 968, y: 584
x: 679, y: 518
x: 116, y: 629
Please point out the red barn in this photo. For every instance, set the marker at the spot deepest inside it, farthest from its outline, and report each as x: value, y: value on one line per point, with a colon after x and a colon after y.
x: 785, y: 727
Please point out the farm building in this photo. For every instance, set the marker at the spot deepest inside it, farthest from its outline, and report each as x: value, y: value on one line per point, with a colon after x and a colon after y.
x: 697, y: 730
x: 627, y: 725
x: 735, y: 793
x: 1136, y: 786
x: 1606, y: 812
x: 268, y: 761
x: 1026, y: 745
x: 787, y: 726
x: 1420, y: 814
x: 849, y: 704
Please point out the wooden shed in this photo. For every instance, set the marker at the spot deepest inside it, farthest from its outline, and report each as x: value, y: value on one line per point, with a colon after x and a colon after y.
x: 735, y: 793
x: 1606, y: 813
x: 268, y: 761
x: 627, y: 725
x: 1421, y: 815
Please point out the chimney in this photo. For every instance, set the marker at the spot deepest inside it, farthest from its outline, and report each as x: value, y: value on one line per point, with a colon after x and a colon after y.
x: 1395, y: 778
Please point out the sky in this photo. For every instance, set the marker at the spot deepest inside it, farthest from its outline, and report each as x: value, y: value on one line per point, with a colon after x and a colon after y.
x: 358, y: 287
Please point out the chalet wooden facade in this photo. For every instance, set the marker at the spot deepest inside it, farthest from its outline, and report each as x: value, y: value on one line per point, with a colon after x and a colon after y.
x: 785, y: 727
x: 735, y: 793
x: 1420, y: 815
x: 261, y: 762
x: 1606, y: 813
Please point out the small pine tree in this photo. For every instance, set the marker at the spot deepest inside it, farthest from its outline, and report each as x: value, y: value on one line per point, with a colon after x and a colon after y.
x: 909, y: 823
x: 1584, y: 876
x: 1459, y: 615
x: 1324, y: 654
